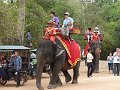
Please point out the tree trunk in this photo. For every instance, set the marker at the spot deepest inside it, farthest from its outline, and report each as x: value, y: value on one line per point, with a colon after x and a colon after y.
x: 21, y: 21
x: 0, y: 41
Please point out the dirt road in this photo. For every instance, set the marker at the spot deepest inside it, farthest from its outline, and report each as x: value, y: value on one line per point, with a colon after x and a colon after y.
x: 100, y: 81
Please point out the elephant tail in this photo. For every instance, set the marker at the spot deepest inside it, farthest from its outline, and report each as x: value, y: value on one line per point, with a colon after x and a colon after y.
x: 40, y: 65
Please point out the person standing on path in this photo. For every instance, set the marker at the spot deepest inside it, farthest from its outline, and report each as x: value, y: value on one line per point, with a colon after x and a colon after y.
x: 116, y: 63
x: 110, y: 62
x: 117, y: 50
x: 90, y: 64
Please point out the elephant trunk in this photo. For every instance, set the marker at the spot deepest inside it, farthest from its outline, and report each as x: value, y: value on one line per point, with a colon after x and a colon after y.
x: 40, y: 66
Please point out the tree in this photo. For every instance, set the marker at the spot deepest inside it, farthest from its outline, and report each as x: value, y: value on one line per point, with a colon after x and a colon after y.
x: 8, y: 23
x: 21, y: 21
x: 36, y: 19
x: 46, y: 4
x: 102, y: 13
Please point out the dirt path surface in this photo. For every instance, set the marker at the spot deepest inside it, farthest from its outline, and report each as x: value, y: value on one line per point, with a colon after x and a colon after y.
x: 100, y: 81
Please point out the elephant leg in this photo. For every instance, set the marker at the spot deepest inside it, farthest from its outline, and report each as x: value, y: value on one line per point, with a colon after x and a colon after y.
x: 76, y: 73
x: 59, y: 83
x: 96, y: 68
x: 52, y: 83
x: 41, y: 59
x: 67, y: 76
x: 56, y: 68
x: 54, y: 77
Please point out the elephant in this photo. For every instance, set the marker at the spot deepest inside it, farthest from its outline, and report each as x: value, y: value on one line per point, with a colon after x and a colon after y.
x: 96, y: 46
x: 56, y: 56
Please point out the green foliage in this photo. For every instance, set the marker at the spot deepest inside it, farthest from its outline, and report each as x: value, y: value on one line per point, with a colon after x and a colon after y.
x: 111, y: 12
x: 46, y: 4
x: 36, y: 19
x: 60, y: 8
x: 112, y: 18
x: 8, y: 23
x: 103, y: 13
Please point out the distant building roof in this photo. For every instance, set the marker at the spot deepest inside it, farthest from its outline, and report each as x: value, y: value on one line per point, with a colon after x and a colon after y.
x: 33, y: 50
x: 87, y: 1
x: 13, y: 47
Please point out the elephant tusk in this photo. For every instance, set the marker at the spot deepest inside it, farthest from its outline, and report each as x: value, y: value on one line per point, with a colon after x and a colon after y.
x: 60, y: 53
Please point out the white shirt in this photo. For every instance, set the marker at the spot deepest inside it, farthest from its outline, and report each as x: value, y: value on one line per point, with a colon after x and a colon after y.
x: 32, y: 56
x: 116, y: 59
x: 89, y: 57
x: 115, y: 53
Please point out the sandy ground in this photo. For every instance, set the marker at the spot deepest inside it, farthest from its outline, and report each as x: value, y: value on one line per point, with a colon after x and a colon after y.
x: 100, y: 81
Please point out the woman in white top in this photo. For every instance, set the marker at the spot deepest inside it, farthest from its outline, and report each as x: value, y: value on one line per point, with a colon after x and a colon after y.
x: 116, y: 63
x: 89, y: 64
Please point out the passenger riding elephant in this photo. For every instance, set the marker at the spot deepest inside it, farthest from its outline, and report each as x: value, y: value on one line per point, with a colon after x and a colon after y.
x: 56, y: 56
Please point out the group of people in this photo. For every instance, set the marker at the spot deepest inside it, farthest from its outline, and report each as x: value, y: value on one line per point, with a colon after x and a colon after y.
x: 92, y: 35
x: 114, y: 62
x: 67, y: 23
x: 14, y: 64
x: 54, y: 26
x: 2, y: 58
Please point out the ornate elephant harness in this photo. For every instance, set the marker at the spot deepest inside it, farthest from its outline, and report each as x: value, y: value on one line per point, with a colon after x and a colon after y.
x: 72, y: 49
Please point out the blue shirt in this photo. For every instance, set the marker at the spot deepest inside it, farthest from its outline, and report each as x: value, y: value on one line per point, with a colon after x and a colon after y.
x: 18, y: 63
x: 110, y: 59
x: 28, y: 35
x: 67, y: 21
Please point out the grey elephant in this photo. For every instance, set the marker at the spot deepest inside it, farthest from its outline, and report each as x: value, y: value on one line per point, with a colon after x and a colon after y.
x: 56, y: 56
x: 96, y: 49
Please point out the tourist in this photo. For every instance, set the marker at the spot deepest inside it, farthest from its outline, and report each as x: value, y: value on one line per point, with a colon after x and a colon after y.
x: 54, y: 19
x: 89, y: 63
x: 67, y: 24
x: 116, y: 62
x: 110, y: 62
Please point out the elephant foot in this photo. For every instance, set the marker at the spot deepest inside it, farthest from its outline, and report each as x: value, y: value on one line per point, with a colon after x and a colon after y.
x: 51, y: 86
x: 68, y: 79
x: 74, y: 82
x: 41, y: 88
x: 59, y: 84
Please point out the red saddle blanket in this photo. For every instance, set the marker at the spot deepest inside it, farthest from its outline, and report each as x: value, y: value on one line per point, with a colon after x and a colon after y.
x: 87, y: 46
x: 72, y: 49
